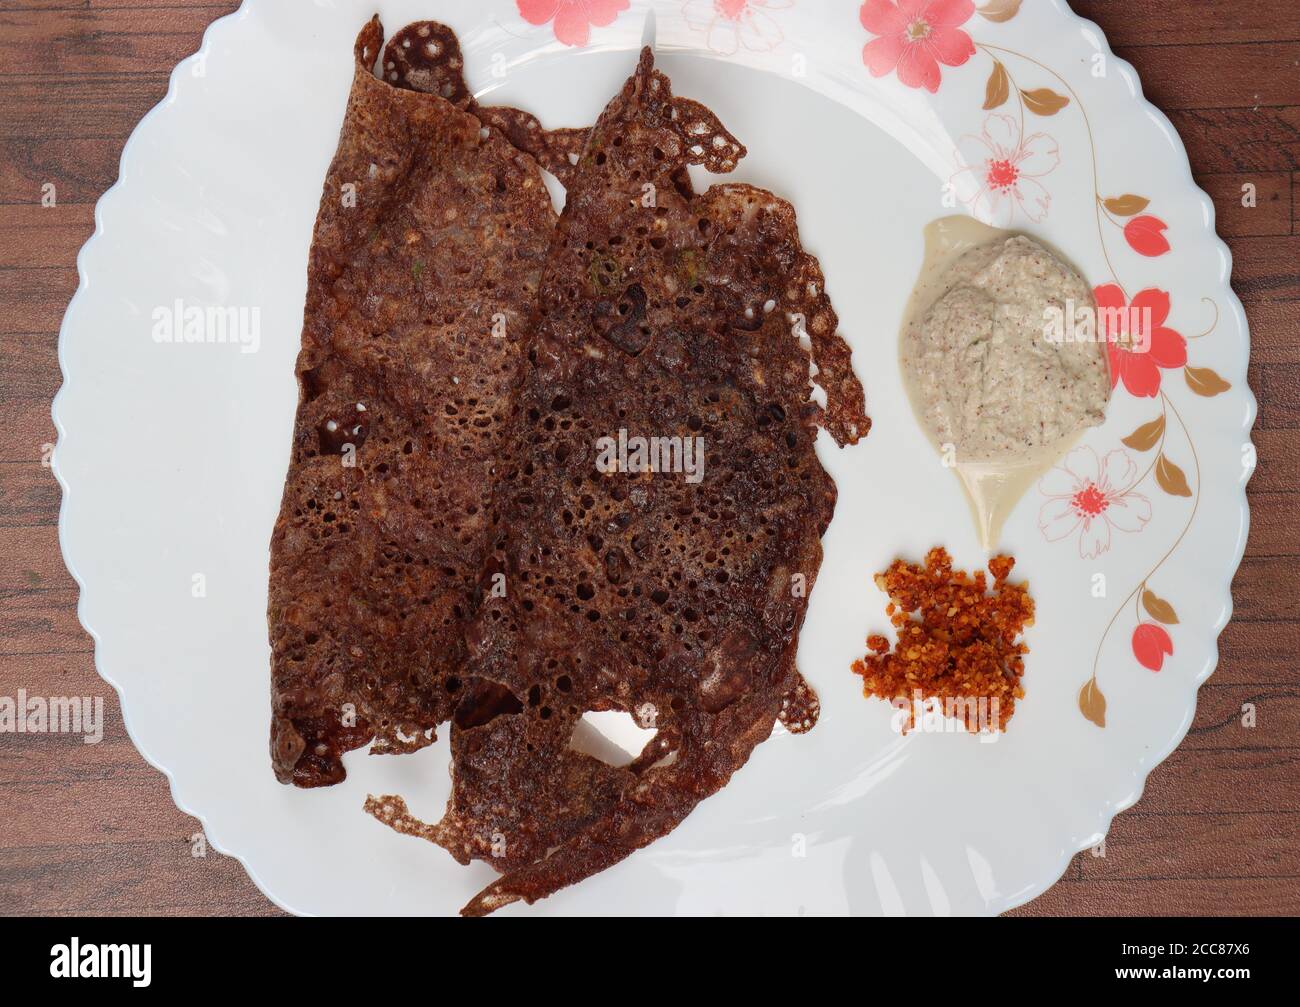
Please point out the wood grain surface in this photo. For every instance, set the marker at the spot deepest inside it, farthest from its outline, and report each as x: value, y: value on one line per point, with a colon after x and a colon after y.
x: 91, y: 829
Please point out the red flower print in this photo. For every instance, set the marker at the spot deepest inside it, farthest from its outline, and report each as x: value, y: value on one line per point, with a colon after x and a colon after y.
x: 732, y: 24
x: 915, y: 37
x: 1001, y: 172
x: 1146, y: 235
x: 1150, y: 645
x: 1137, y: 340
x: 1093, y: 497
x: 573, y: 18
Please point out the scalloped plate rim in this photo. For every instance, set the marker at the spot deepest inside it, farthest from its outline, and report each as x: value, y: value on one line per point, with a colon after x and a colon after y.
x: 1138, y: 775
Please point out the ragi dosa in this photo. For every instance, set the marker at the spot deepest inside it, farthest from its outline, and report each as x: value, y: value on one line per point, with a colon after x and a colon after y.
x: 424, y: 265
x: 638, y: 587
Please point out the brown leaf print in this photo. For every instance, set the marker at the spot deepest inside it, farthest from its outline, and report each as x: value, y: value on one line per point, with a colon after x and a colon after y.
x: 998, y: 88
x: 1147, y: 436
x: 1204, y: 381
x: 1126, y: 205
x: 1092, y: 704
x: 999, y: 10
x: 1158, y: 608
x: 1044, y: 101
x: 1171, y: 478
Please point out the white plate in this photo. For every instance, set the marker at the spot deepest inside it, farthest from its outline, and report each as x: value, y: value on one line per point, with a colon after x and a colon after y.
x: 172, y: 457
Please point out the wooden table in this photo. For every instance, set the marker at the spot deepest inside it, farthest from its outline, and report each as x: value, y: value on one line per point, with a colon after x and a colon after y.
x: 91, y: 829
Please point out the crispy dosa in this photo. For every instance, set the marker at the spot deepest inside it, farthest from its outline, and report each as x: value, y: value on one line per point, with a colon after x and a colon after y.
x: 676, y: 600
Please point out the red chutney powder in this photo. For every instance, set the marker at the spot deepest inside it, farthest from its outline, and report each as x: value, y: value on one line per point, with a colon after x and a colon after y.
x: 957, y: 640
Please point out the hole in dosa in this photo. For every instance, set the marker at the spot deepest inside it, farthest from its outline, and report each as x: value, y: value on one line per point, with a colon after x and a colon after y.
x: 611, y: 736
